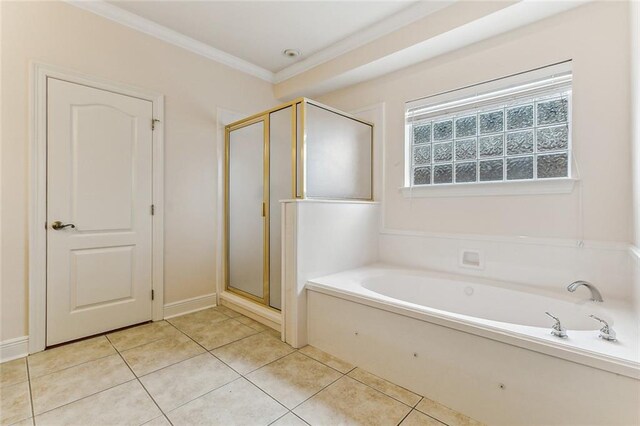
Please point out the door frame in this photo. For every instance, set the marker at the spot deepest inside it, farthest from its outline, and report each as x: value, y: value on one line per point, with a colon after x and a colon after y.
x: 39, y: 73
x: 264, y: 119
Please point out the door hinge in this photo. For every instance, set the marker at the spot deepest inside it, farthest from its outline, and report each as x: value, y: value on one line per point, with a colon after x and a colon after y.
x: 153, y: 209
x: 153, y: 123
x: 153, y: 295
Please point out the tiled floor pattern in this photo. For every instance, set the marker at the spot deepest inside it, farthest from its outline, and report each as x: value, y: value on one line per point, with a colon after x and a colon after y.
x: 213, y: 367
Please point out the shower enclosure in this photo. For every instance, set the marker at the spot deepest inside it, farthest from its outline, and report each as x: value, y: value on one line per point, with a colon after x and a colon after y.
x: 298, y: 150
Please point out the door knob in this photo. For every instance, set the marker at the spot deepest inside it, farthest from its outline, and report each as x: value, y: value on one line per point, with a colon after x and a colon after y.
x: 57, y: 225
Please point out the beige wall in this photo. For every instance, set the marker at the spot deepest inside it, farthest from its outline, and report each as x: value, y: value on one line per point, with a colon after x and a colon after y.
x: 596, y: 37
x: 635, y: 116
x: 194, y: 87
x: 635, y: 141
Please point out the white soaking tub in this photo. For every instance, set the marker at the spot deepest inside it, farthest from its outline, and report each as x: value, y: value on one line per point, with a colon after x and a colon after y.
x: 364, y: 315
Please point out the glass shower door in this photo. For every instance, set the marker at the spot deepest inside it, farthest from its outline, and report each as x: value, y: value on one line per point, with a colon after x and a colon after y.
x: 247, y: 269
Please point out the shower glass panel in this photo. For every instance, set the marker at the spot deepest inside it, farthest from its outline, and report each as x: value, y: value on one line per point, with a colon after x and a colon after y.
x: 245, y: 216
x: 280, y: 188
x: 337, y: 155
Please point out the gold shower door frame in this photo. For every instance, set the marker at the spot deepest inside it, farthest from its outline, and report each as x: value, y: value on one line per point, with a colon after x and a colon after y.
x: 264, y: 118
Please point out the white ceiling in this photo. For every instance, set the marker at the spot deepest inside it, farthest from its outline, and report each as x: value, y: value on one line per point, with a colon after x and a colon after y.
x: 258, y: 31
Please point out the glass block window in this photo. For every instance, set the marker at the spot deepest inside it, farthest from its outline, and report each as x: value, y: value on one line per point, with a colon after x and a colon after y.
x: 516, y: 133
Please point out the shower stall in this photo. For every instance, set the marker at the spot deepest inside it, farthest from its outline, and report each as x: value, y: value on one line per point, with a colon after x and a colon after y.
x: 298, y: 150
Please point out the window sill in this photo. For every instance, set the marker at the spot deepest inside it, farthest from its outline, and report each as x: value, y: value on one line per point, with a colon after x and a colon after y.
x: 550, y: 186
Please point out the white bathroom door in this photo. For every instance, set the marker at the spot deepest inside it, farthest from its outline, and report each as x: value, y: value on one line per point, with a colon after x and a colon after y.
x: 99, y: 224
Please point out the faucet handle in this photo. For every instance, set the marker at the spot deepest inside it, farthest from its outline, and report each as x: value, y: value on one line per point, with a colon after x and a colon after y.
x: 606, y: 332
x: 558, y: 330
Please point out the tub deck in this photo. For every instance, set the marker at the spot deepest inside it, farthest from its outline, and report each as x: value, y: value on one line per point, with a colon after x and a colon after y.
x: 582, y: 346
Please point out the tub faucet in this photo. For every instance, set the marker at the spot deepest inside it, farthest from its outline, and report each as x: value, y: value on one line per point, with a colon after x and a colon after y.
x: 606, y: 332
x: 595, y: 294
x: 558, y: 330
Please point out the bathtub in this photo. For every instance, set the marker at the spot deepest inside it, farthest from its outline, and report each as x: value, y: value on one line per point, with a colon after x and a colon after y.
x: 486, y: 331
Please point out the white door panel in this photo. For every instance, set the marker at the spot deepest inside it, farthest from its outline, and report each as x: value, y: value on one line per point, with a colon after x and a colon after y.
x: 99, y: 178
x: 104, y: 141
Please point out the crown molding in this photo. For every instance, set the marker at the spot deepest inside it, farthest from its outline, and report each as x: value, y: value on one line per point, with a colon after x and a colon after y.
x: 381, y: 28
x: 163, y: 33
x: 520, y: 14
x: 398, y: 20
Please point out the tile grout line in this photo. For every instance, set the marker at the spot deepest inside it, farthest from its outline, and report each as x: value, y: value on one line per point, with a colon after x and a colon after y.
x: 209, y: 350
x: 255, y: 369
x: 200, y: 396
x: 168, y: 365
x: 227, y: 365
x: 311, y: 396
x: 142, y: 344
x: 301, y: 419
x: 325, y: 364
x: 140, y: 382
x: 411, y: 408
x: 289, y: 412
x: 235, y: 341
x: 75, y: 365
x: 342, y: 376
x: 85, y: 397
x: 271, y: 362
x: 244, y: 376
x: 386, y: 394
x: 33, y: 414
x: 205, y: 349
x: 264, y: 392
x: 435, y: 418
x: 419, y: 401
x: 405, y: 416
x: 429, y: 415
x: 78, y: 364
x: 217, y: 322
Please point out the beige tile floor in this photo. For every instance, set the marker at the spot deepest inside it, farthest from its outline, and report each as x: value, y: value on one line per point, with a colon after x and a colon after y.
x: 213, y: 367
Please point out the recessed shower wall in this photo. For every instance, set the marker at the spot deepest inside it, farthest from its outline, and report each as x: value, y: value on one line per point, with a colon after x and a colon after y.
x: 299, y: 150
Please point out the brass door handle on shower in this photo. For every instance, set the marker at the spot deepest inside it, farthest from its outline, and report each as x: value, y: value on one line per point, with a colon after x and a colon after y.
x: 57, y: 225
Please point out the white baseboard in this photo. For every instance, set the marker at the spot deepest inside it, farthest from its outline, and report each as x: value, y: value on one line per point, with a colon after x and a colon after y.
x: 14, y: 348
x: 186, y: 306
